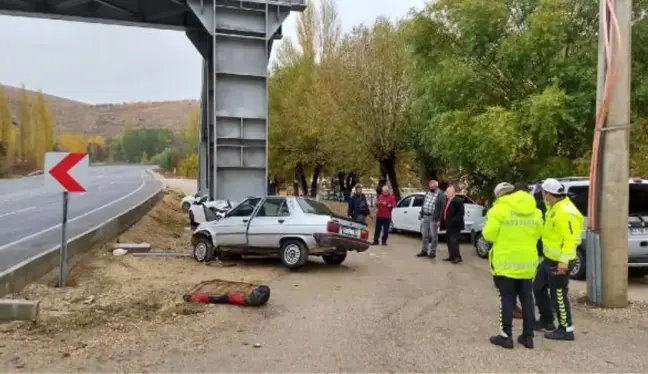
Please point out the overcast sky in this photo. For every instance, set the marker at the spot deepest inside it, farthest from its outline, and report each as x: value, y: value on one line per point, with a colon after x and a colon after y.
x: 111, y: 64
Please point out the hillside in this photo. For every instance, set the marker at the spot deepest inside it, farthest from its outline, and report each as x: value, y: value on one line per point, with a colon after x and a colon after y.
x: 108, y: 119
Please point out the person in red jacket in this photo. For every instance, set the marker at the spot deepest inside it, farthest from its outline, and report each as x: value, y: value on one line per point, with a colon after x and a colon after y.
x: 385, y: 203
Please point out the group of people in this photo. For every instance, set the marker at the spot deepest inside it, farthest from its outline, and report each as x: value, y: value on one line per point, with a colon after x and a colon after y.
x: 515, y: 225
x: 530, y: 256
x: 442, y: 211
x: 359, y: 210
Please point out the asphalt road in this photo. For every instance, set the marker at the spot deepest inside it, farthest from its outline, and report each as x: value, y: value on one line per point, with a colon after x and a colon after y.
x: 30, y: 214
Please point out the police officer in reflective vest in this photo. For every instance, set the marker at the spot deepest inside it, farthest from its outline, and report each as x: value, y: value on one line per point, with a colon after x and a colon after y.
x: 560, y: 237
x: 513, y: 225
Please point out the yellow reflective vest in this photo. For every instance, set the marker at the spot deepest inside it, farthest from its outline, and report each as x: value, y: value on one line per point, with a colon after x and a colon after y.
x: 514, y: 226
x: 562, y: 231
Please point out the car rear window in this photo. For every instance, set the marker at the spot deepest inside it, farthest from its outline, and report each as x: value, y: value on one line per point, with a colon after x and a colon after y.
x: 638, y: 198
x: 314, y: 207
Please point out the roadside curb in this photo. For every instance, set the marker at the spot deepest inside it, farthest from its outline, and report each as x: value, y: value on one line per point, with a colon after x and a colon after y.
x: 17, y: 277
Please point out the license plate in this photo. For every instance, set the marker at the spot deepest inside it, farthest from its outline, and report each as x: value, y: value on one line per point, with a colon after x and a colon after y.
x: 639, y: 231
x: 349, y: 232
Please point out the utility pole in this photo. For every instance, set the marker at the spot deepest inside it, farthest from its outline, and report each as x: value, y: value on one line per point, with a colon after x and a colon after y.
x: 613, y: 209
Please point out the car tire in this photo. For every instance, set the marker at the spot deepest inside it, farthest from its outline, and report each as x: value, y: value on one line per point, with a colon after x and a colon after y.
x: 293, y: 254
x: 203, y: 250
x: 335, y: 258
x: 482, y: 247
x: 186, y: 206
x: 578, y: 270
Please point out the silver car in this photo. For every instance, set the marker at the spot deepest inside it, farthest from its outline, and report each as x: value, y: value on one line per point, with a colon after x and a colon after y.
x: 291, y: 227
x: 577, y: 188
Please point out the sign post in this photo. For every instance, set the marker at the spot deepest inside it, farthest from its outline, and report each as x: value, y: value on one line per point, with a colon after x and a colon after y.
x: 66, y: 172
x: 63, y: 258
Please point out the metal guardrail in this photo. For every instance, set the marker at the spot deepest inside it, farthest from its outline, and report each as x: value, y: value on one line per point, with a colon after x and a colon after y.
x: 17, y: 277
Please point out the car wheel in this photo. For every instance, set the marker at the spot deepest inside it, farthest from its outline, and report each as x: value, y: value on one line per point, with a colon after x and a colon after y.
x: 186, y: 206
x: 204, y: 250
x: 294, y: 254
x: 578, y: 270
x: 482, y: 247
x: 335, y: 259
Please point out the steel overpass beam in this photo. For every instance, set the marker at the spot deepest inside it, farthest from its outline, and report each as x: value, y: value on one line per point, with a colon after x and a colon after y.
x: 235, y: 108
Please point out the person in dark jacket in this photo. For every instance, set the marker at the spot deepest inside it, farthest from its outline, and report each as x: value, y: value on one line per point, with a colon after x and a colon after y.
x: 358, y: 206
x: 453, y: 222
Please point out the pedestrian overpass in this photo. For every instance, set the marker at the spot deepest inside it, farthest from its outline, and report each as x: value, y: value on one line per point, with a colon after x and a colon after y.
x: 235, y: 39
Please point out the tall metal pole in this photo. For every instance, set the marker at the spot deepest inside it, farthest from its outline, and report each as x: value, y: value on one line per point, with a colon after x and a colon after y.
x: 615, y: 169
x: 63, y: 256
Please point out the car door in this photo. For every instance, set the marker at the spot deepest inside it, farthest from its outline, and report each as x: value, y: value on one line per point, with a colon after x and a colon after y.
x: 268, y: 224
x: 473, y: 215
x: 399, y: 214
x: 231, y: 230
x: 412, y: 215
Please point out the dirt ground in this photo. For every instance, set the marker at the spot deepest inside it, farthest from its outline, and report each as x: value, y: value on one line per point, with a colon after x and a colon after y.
x: 383, y: 310
x: 110, y: 297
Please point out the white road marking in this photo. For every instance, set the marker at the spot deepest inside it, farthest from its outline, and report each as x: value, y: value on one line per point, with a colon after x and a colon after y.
x: 29, y: 193
x: 17, y: 211
x: 141, y: 186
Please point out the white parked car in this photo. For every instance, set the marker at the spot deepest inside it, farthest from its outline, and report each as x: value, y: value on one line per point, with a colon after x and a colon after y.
x: 202, y: 210
x: 405, y: 216
x: 291, y: 227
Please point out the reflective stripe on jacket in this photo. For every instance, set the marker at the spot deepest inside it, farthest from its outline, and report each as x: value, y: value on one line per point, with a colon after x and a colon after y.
x: 514, y: 225
x: 562, y: 231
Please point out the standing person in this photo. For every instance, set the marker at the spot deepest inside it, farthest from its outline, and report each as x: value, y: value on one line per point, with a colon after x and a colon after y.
x: 517, y: 311
x: 513, y: 225
x: 560, y: 237
x: 453, y: 222
x: 358, y: 206
x: 430, y: 215
x: 384, y: 205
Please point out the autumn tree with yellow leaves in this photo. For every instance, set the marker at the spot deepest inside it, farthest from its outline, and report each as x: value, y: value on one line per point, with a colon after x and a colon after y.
x: 7, y: 136
x: 23, y: 142
x: 188, y: 163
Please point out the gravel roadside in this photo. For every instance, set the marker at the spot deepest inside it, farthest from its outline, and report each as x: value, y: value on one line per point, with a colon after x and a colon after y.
x: 381, y: 311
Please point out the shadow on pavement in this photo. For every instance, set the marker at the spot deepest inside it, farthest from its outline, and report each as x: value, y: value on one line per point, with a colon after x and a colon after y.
x: 314, y: 264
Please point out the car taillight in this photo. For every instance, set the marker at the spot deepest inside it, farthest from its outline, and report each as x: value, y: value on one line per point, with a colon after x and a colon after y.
x: 364, y: 235
x: 637, y: 180
x: 332, y: 227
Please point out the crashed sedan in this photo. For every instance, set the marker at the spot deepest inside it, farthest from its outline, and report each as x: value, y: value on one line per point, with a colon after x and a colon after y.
x: 292, y: 227
x: 203, y: 210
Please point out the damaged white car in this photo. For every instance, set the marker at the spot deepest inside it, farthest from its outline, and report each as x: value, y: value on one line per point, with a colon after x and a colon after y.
x: 187, y: 200
x: 202, y: 210
x: 292, y: 227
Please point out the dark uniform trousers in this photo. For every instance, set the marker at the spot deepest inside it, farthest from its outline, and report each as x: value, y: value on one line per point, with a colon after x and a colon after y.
x: 509, y: 289
x: 548, y: 286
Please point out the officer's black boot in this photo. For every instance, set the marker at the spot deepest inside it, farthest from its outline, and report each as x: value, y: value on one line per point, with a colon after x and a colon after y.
x: 526, y: 341
x: 502, y: 341
x: 541, y: 325
x: 560, y: 334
